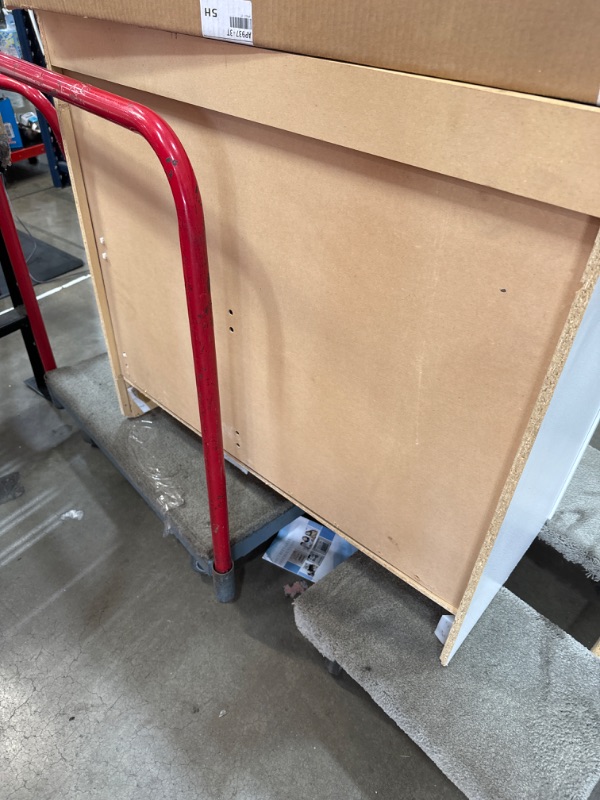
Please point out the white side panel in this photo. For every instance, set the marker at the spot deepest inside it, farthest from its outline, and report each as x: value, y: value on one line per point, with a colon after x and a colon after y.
x: 575, y: 464
x: 565, y: 432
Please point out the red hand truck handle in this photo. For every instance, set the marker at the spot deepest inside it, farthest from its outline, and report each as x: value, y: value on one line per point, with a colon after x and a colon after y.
x: 192, y: 239
x: 11, y: 237
x: 37, y: 99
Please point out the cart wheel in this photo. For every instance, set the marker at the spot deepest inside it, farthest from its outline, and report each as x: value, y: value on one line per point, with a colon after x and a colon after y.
x: 333, y: 668
x: 33, y: 161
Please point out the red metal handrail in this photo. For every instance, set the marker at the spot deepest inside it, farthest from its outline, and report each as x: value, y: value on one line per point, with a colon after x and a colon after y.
x: 11, y: 237
x: 37, y: 99
x: 192, y: 239
x: 17, y: 259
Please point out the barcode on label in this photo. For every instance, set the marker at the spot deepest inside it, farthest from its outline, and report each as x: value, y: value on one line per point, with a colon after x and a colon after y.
x: 227, y: 19
x: 240, y: 22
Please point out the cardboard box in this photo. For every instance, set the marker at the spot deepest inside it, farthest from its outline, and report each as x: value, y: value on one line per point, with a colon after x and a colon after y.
x: 546, y: 47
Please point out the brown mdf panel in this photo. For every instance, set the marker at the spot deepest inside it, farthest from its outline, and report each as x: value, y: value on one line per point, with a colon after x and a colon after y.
x: 391, y: 327
x: 543, y: 149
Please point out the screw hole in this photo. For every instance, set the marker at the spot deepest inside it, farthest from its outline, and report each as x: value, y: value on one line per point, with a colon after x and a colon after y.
x: 237, y: 444
x: 231, y: 329
x: 231, y: 312
x: 502, y: 290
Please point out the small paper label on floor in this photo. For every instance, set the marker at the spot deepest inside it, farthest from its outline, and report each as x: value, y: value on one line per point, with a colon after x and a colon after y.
x: 227, y: 19
x: 308, y: 549
x: 144, y: 407
x: 443, y: 628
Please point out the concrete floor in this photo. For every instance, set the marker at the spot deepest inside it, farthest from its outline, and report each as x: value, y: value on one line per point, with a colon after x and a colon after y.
x: 120, y: 677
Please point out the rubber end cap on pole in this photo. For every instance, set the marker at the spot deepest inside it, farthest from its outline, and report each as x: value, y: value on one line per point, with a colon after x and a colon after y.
x: 224, y: 583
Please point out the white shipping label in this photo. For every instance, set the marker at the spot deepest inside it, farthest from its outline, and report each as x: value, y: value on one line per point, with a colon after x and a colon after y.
x: 227, y: 19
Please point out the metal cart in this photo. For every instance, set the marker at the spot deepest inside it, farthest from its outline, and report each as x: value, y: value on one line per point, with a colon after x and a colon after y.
x: 34, y: 83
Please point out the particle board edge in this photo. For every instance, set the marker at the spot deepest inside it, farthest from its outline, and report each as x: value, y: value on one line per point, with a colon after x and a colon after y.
x: 578, y: 307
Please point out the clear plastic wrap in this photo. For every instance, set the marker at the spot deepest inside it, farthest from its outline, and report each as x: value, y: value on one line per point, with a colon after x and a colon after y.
x: 145, y: 447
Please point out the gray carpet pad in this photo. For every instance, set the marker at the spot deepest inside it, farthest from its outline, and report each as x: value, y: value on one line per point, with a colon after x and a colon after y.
x: 87, y: 391
x: 574, y: 531
x: 516, y: 715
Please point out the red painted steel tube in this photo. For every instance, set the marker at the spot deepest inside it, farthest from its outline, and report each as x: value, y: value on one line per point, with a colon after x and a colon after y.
x: 23, y: 278
x: 37, y: 99
x: 192, y: 239
x: 11, y: 237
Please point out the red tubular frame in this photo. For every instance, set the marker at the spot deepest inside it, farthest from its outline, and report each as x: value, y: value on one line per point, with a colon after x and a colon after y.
x: 192, y: 239
x: 17, y: 259
x: 37, y: 99
x: 11, y: 237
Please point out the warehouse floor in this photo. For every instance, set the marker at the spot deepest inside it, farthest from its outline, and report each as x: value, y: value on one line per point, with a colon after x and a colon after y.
x: 120, y: 677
